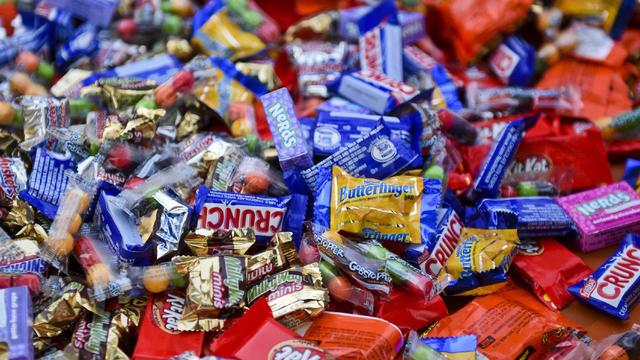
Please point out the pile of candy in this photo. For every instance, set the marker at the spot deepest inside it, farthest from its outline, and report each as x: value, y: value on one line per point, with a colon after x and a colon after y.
x: 317, y: 179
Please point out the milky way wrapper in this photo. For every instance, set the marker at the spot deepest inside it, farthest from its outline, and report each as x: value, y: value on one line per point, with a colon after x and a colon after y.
x: 217, y: 285
x: 295, y: 295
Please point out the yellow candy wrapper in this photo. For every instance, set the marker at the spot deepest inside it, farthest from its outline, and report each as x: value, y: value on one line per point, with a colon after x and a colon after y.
x: 480, y: 262
x: 399, y: 208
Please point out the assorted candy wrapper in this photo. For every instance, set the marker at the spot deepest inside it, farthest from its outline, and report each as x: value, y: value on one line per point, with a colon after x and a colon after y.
x: 319, y: 179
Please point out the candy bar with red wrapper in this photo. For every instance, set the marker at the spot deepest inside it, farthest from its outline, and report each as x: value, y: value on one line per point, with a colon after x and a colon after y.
x: 538, y: 266
x: 159, y: 335
x: 257, y: 335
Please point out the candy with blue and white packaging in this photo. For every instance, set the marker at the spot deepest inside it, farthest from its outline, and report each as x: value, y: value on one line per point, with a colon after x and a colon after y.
x: 337, y: 103
x: 412, y: 24
x: 48, y: 181
x: 266, y: 215
x: 422, y: 71
x: 431, y: 255
x: 334, y: 130
x: 83, y: 42
x: 615, y: 286
x: 375, y: 155
x: 308, y: 126
x: 486, y: 183
x: 381, y: 41
x: 38, y: 38
x: 538, y: 216
x: 288, y: 138
x: 317, y: 63
x: 158, y: 68
x: 16, y: 313
x: 118, y: 230
x: 375, y: 91
x: 513, y: 61
x: 98, y: 12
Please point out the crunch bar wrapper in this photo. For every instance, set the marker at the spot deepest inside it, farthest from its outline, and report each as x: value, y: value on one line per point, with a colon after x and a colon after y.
x: 375, y: 155
x: 373, y: 90
x: 267, y: 215
x: 399, y: 208
x: 615, y: 286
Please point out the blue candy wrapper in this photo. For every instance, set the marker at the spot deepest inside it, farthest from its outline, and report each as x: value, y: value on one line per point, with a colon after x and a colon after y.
x: 615, y: 286
x: 83, y: 42
x: 120, y: 233
x: 632, y: 172
x: 247, y: 81
x: 98, y: 12
x: 455, y: 346
x: 513, y: 61
x: 38, y: 37
x: 308, y: 126
x: 334, y: 130
x: 538, y: 216
x: 419, y: 66
x: 381, y: 41
x: 337, y: 103
x: 48, y: 181
x: 372, y: 156
x: 16, y: 315
x: 158, y: 68
x: 486, y: 184
x: 375, y: 91
x: 266, y: 215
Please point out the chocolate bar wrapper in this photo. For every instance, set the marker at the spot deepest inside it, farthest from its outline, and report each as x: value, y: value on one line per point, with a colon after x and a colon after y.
x: 15, y: 323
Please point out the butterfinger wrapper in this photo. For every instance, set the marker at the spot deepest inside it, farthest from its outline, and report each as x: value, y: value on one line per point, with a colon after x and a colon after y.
x: 206, y: 242
x: 295, y: 295
x: 60, y: 312
x: 217, y: 286
x: 480, y: 262
x: 264, y: 72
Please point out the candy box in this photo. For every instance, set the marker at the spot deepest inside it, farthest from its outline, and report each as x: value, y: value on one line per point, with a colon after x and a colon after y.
x: 603, y: 215
x: 15, y: 322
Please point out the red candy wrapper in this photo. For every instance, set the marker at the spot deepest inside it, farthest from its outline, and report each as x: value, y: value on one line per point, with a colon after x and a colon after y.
x: 406, y: 313
x: 257, y: 335
x: 538, y: 266
x: 159, y: 337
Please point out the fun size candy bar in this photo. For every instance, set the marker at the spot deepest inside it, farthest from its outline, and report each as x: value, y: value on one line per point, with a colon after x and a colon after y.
x: 267, y: 215
x: 615, y: 286
x: 15, y: 322
x: 374, y: 90
x: 381, y: 41
x: 603, y: 215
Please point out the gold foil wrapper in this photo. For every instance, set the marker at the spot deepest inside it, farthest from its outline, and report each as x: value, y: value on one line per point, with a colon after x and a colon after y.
x: 61, y: 311
x: 284, y: 241
x: 21, y: 221
x: 113, y: 128
x: 264, y: 72
x: 319, y: 26
x: 4, y: 350
x: 188, y: 125
x: 295, y: 295
x: 139, y: 130
x: 180, y: 48
x: 205, y: 242
x: 217, y: 286
x: 122, y: 93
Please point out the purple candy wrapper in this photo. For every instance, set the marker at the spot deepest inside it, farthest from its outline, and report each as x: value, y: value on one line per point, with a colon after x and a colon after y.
x: 15, y: 322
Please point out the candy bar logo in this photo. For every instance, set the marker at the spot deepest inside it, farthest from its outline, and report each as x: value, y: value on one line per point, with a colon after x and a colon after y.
x: 464, y: 253
x: 503, y: 62
x: 272, y: 283
x: 285, y: 290
x: 606, y: 202
x: 382, y: 149
x: 371, y: 50
x: 445, y: 245
x: 412, y: 29
x: 330, y: 246
x: 528, y: 167
x: 279, y: 114
x: 115, y: 179
x: 167, y: 310
x: 188, y: 154
x: 369, y: 188
x: 419, y: 57
x: 264, y: 220
x: 30, y: 265
x: 81, y: 335
x: 326, y: 138
x: 369, y: 274
x: 371, y: 233
x: 260, y: 272
x: 588, y: 288
x: 619, y: 278
x: 296, y: 349
x: 8, y: 177
x: 98, y: 332
x: 218, y: 290
x: 400, y: 91
x: 235, y: 279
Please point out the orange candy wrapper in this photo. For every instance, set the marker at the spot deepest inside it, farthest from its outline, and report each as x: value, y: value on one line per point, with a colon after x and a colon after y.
x: 354, y: 337
x: 510, y: 324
